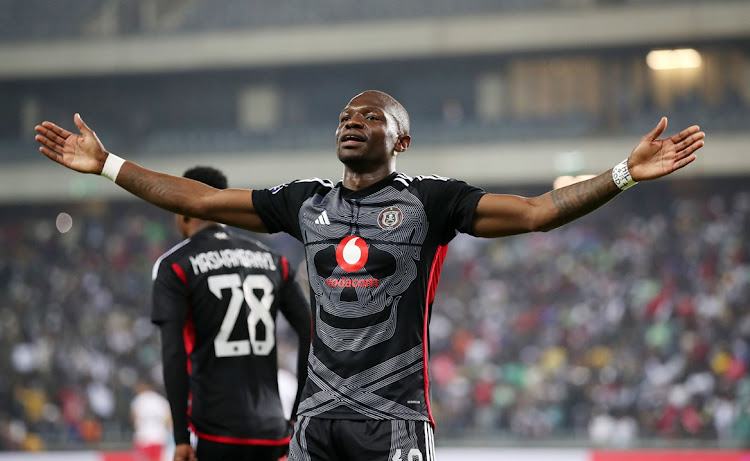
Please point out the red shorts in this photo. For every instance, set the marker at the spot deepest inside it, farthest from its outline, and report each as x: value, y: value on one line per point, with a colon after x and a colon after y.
x: 148, y: 452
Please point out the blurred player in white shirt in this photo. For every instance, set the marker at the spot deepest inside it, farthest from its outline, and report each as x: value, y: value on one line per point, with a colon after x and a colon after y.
x: 287, y: 391
x: 152, y: 423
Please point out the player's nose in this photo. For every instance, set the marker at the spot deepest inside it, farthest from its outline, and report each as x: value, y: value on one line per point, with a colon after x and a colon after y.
x: 355, y: 121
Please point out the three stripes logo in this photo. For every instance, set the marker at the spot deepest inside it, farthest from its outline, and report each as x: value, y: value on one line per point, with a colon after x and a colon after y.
x: 323, y: 219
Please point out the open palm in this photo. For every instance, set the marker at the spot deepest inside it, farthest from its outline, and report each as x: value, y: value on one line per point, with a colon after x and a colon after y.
x: 80, y: 152
x: 653, y: 158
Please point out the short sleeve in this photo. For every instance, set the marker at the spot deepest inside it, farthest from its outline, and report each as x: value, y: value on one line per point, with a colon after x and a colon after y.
x: 464, y: 199
x: 169, y: 294
x: 279, y: 207
x: 449, y: 203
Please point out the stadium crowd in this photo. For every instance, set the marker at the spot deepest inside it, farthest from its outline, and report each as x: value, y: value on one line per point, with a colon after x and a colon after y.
x: 629, y: 326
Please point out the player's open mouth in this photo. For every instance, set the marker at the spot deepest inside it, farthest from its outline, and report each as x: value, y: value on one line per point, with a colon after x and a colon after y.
x: 351, y: 141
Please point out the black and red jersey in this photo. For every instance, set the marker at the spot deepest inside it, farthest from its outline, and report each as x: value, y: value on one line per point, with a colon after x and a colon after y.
x: 224, y: 290
x: 373, y: 260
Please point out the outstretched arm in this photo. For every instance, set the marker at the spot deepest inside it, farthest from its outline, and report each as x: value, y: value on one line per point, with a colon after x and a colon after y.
x: 85, y: 153
x: 498, y: 215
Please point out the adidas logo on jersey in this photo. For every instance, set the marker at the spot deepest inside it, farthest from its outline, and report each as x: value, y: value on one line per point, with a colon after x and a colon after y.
x: 323, y: 219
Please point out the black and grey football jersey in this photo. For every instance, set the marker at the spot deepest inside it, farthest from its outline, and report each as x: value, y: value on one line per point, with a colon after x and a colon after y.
x: 373, y: 260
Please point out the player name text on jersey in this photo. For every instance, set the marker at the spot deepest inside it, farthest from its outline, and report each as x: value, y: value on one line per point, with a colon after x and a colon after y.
x: 231, y: 257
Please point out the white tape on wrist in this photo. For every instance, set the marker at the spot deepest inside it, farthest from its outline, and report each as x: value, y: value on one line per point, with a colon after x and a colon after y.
x: 621, y: 176
x: 112, y: 166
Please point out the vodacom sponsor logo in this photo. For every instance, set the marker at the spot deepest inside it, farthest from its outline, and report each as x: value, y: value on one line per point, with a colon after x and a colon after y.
x: 352, y: 253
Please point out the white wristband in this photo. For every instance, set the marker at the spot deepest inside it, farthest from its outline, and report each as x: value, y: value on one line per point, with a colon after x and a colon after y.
x: 621, y: 176
x: 112, y: 166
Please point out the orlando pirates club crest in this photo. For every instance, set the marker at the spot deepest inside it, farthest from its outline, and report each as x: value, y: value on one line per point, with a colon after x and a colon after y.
x: 390, y: 218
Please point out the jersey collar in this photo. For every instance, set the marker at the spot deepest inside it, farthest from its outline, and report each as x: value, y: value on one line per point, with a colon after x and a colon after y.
x: 353, y: 194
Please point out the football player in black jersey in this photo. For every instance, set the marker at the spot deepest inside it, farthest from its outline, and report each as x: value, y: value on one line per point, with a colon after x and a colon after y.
x: 375, y: 243
x: 216, y: 295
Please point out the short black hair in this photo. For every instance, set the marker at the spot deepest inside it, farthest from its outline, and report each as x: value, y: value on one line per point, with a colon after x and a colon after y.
x: 207, y: 175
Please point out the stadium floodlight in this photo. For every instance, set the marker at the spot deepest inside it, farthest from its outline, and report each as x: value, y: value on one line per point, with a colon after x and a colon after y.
x: 683, y: 58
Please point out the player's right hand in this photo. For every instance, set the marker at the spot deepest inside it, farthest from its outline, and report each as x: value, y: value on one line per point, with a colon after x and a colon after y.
x: 184, y: 452
x: 80, y: 152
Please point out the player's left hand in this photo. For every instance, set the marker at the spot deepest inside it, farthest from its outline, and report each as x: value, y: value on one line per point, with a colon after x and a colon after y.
x: 653, y: 158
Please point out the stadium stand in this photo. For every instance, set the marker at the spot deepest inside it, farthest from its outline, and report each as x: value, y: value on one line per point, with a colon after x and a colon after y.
x: 628, y: 328
x: 77, y: 19
x: 23, y: 21
x: 168, y: 115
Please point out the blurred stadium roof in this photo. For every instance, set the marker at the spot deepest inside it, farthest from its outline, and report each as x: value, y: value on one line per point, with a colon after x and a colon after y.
x: 86, y: 40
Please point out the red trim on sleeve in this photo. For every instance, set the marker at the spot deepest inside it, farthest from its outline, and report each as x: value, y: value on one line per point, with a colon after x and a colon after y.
x: 437, y: 265
x: 180, y: 273
x: 241, y: 441
x: 285, y: 266
x: 188, y: 335
x: 188, y: 331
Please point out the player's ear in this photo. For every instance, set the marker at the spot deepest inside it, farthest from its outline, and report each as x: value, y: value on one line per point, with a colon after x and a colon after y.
x: 402, y: 143
x: 181, y: 221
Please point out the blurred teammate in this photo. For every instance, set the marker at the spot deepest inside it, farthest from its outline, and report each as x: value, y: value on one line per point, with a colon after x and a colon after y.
x: 152, y: 422
x: 375, y: 243
x: 216, y: 296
